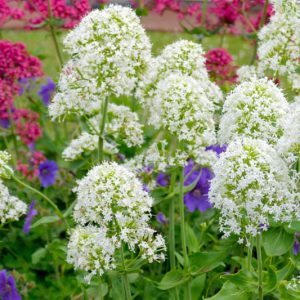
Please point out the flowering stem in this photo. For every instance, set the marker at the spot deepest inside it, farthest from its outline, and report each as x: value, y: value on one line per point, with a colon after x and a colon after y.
x: 53, y: 35
x: 259, y: 265
x: 101, y: 132
x: 57, y: 211
x: 125, y: 281
x: 182, y: 230
x: 249, y: 257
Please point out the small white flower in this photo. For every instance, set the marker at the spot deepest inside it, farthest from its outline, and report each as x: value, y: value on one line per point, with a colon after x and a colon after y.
x: 251, y: 184
x: 5, y: 169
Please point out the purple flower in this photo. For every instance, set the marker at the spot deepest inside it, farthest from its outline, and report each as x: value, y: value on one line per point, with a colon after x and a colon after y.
x: 296, y: 246
x: 31, y: 213
x: 217, y: 148
x: 198, y: 197
x: 161, y: 218
x: 8, y: 289
x: 163, y: 179
x: 46, y: 91
x: 47, y: 172
x: 4, y: 123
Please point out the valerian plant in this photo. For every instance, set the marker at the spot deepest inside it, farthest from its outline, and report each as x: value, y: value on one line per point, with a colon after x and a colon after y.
x: 139, y: 177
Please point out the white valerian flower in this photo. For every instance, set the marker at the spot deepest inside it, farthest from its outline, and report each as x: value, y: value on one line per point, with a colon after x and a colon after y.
x: 91, y: 250
x: 183, y: 57
x: 109, y: 52
x: 11, y: 208
x: 289, y: 144
x: 251, y: 184
x: 111, y: 199
x: 5, y: 169
x: 122, y: 124
x: 255, y: 108
x: 86, y: 142
x: 279, y: 41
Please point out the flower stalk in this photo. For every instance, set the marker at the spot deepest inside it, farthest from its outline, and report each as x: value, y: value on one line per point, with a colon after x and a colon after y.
x: 259, y: 266
x: 101, y: 132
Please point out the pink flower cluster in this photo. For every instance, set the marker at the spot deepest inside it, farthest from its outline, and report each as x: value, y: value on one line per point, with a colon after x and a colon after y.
x: 63, y: 10
x: 27, y: 126
x: 9, y: 10
x: 15, y: 64
x: 233, y: 15
x: 30, y: 167
x: 219, y: 64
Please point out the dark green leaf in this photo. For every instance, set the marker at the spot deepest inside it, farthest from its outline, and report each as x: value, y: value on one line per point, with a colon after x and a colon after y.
x: 276, y: 241
x: 203, y: 262
x: 38, y: 255
x: 172, y: 279
x: 191, y: 239
x: 45, y: 220
x: 197, y: 286
x: 230, y: 291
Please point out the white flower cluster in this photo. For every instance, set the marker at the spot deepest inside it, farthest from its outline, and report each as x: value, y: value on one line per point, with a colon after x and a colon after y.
x: 11, y: 208
x: 5, y: 169
x: 247, y: 72
x: 86, y: 142
x: 110, y: 51
x: 279, y: 41
x: 289, y: 144
x: 251, y: 184
x: 182, y: 57
x: 122, y: 124
x: 255, y: 109
x: 112, y: 208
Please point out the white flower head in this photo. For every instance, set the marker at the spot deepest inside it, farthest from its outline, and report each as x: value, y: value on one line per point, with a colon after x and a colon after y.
x: 279, y: 41
x: 11, y: 208
x: 255, y: 109
x: 110, y: 51
x: 289, y: 144
x: 182, y: 57
x: 111, y: 199
x: 84, y: 143
x: 252, y: 184
x: 5, y: 169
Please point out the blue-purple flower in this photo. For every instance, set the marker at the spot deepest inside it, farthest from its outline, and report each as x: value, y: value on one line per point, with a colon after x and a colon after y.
x: 198, y: 197
x: 8, y: 289
x: 161, y: 218
x: 163, y: 179
x: 296, y: 244
x: 217, y: 148
x: 26, y: 85
x: 46, y: 91
x: 47, y: 172
x: 31, y: 214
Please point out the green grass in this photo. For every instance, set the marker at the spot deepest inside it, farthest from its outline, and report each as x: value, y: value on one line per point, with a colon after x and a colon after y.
x: 39, y: 43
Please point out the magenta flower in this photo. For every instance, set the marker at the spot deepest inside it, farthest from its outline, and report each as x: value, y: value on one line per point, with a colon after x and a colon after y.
x: 47, y: 173
x: 8, y: 289
x: 31, y: 214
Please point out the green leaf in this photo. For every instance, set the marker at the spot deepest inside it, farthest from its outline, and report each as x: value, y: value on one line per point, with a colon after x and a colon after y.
x: 276, y: 241
x: 38, y: 255
x: 289, y: 293
x: 203, y: 262
x: 269, y: 280
x: 197, y: 286
x: 293, y: 227
x: 191, y: 239
x: 230, y: 291
x: 243, y: 279
x: 45, y: 220
x: 172, y: 279
x: 141, y: 12
x: 286, y: 271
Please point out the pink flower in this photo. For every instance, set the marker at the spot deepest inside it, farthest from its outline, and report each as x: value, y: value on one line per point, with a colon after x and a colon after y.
x: 219, y: 64
x: 27, y: 126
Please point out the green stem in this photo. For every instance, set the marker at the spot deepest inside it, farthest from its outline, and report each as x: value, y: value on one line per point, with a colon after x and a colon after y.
x: 53, y: 35
x: 101, y: 132
x: 57, y: 211
x: 249, y: 256
x: 259, y: 266
x: 125, y: 281
x: 182, y: 231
